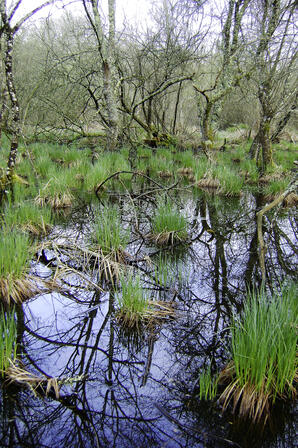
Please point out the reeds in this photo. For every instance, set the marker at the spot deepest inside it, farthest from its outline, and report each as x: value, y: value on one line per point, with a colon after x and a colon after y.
x: 8, y: 336
x: 264, y: 358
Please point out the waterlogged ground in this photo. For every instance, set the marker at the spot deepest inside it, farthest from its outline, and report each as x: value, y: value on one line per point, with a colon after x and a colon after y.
x: 141, y: 390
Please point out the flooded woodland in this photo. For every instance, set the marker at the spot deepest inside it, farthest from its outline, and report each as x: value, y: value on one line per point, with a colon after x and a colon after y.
x: 148, y: 223
x: 88, y: 379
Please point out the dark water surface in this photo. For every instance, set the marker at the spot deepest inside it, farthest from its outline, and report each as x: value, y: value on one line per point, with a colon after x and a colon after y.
x: 128, y: 390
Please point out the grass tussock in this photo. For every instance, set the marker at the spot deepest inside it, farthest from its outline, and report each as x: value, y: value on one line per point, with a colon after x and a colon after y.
x: 109, y: 234
x: 264, y: 357
x: 29, y: 217
x: 168, y: 226
x: 135, y: 307
x: 8, y: 336
x: 110, y: 241
x: 133, y: 302
x: 16, y: 285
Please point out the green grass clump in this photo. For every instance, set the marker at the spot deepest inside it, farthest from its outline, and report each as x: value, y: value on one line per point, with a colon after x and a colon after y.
x: 277, y: 186
x: 57, y: 191
x: 8, y: 336
x: 108, y: 231
x: 28, y: 216
x: 168, y: 225
x: 264, y: 358
x: 15, y: 253
x: 133, y: 301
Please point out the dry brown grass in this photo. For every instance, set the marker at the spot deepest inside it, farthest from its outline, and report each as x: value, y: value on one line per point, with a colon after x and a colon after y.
x: 247, y: 400
x: 165, y: 174
x: 21, y: 376
x: 155, y: 312
x: 56, y: 201
x: 291, y: 200
x: 17, y: 290
x: 208, y: 183
x: 166, y: 238
x: 185, y: 171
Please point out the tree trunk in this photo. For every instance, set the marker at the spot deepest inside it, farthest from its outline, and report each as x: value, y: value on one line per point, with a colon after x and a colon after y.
x: 266, y: 145
x: 15, y: 110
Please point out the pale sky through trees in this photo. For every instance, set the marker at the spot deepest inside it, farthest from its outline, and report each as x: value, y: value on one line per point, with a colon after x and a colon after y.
x: 135, y: 11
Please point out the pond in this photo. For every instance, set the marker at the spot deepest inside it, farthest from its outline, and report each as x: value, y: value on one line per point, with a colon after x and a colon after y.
x: 123, y: 388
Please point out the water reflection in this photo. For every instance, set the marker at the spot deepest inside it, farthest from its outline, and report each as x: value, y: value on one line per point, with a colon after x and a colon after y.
x: 128, y: 390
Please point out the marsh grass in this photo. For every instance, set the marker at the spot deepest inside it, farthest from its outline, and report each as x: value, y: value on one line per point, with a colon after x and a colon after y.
x: 135, y: 307
x: 110, y: 241
x: 57, y: 191
x: 133, y: 301
x: 108, y: 231
x: 231, y: 182
x: 29, y: 217
x: 264, y: 358
x: 16, y: 284
x: 276, y: 186
x: 168, y: 225
x: 8, y: 340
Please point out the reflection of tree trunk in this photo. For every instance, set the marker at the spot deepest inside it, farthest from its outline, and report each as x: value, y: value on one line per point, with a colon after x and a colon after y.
x: 262, y: 250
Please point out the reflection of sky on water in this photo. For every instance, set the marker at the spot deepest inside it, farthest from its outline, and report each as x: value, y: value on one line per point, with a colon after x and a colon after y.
x: 75, y: 334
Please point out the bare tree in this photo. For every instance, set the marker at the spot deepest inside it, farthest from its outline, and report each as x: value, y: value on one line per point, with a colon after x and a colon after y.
x: 106, y: 51
x: 8, y: 31
x: 275, y: 60
x: 226, y: 71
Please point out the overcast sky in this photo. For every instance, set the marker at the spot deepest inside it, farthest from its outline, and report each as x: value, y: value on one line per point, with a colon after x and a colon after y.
x: 135, y: 11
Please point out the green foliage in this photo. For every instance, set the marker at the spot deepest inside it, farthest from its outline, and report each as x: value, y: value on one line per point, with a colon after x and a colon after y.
x: 186, y: 158
x: 8, y: 336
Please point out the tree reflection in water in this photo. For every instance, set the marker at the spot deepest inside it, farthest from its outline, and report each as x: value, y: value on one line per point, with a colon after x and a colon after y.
x: 118, y: 378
